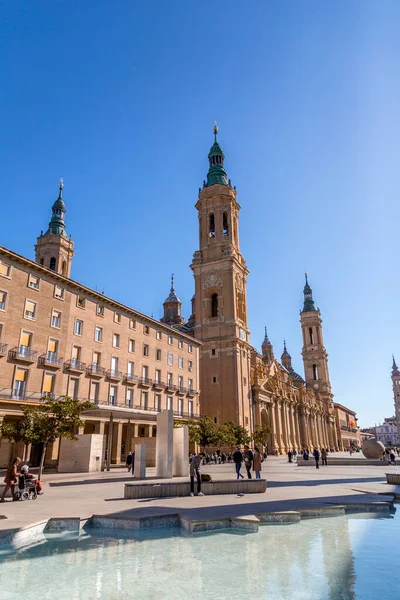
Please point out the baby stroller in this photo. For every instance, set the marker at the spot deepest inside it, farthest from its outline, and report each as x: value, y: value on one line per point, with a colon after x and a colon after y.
x: 26, y: 489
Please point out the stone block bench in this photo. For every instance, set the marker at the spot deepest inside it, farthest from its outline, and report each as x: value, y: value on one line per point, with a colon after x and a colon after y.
x: 169, y: 489
x: 343, y: 462
x: 393, y: 478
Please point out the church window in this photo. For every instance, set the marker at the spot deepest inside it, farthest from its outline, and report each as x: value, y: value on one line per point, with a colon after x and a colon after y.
x: 212, y: 351
x: 214, y: 305
x: 310, y: 331
x: 225, y: 225
x: 214, y: 380
x: 53, y: 263
x: 315, y: 371
x: 211, y: 225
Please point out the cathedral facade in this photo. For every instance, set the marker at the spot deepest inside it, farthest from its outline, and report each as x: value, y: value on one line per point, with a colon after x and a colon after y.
x: 237, y: 382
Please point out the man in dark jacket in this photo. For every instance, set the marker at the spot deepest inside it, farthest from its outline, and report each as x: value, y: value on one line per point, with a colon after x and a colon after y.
x: 248, y: 460
x: 195, y: 465
x: 316, y: 455
x: 238, y: 459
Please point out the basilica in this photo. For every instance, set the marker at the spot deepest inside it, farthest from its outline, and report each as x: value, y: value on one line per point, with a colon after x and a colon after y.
x: 237, y: 382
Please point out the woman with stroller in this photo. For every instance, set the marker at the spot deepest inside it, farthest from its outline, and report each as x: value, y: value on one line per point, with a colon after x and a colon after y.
x: 11, y: 478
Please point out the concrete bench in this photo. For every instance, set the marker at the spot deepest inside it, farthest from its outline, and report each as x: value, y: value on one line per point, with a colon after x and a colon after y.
x: 343, y: 462
x: 209, y: 488
x: 393, y: 478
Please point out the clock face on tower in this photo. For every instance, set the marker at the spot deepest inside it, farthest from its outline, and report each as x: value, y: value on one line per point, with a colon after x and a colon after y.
x: 242, y: 334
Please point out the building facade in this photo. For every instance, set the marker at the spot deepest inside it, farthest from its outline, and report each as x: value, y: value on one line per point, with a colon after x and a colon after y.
x: 348, y: 432
x: 387, y: 433
x: 58, y: 337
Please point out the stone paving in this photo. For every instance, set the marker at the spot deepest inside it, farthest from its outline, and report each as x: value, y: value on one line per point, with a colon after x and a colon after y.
x: 288, y: 488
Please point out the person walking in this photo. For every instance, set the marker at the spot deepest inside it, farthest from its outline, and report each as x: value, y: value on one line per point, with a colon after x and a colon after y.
x: 324, y: 457
x: 238, y: 459
x: 195, y: 471
x: 290, y: 455
x: 257, y: 460
x: 248, y: 460
x: 305, y: 454
x: 11, y: 478
x: 316, y: 455
x: 133, y: 464
x: 129, y: 461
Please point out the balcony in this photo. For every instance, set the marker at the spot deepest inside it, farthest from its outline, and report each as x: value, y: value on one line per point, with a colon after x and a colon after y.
x: 171, y: 387
x: 23, y: 354
x: 145, y: 382
x: 181, y: 391
x: 114, y: 375
x: 186, y: 415
x: 50, y: 361
x: 130, y: 378
x: 348, y: 428
x: 95, y: 370
x: 159, y: 385
x: 74, y: 366
x: 3, y: 349
x: 192, y: 392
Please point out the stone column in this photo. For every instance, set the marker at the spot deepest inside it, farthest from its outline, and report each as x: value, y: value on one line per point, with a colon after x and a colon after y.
x: 164, y: 444
x: 271, y: 410
x: 278, y: 426
x: 180, y: 460
x: 284, y: 426
x: 101, y: 427
x: 129, y: 436
x: 293, y: 426
x: 140, y: 461
x: 116, y: 447
x: 289, y: 434
x: 298, y: 428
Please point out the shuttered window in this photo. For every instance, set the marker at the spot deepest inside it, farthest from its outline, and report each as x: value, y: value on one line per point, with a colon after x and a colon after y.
x: 25, y: 339
x: 48, y: 383
x: 30, y: 309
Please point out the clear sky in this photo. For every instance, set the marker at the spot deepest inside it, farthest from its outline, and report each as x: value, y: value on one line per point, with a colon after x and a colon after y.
x: 119, y: 98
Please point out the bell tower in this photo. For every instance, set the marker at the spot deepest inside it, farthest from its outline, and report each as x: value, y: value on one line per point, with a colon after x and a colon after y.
x: 55, y: 249
x: 220, y: 307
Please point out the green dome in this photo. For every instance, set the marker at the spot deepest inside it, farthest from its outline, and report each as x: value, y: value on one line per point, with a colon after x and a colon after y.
x: 216, y: 172
x: 309, y: 305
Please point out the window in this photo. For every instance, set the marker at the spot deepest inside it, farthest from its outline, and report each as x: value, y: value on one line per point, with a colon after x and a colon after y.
x: 190, y: 348
x: 310, y: 331
x: 116, y: 340
x: 55, y: 318
x: 19, y: 385
x: 48, y: 384
x: 96, y: 359
x: 213, y: 352
x: 114, y: 363
x: 169, y: 378
x: 170, y: 340
x: 170, y: 358
x: 75, y: 355
x: 214, y: 380
x: 158, y: 335
x: 180, y: 362
x: 53, y: 263
x: 190, y: 384
x: 117, y: 317
x: 315, y: 371
x: 225, y: 225
x: 25, y: 342
x: 158, y: 376
x: 145, y: 350
x: 169, y: 402
x: 157, y: 403
x: 131, y: 346
x: 131, y: 368
x: 145, y: 372
x: 144, y: 400
x: 94, y: 391
x: 146, y: 329
x: 30, y: 309
x: 100, y: 310
x: 113, y: 395
x: 211, y: 225
x: 3, y: 298
x: 180, y: 344
x: 158, y: 354
x: 5, y: 269
x: 180, y: 406
x: 132, y: 324
x: 190, y: 365
x: 180, y: 382
x: 214, y: 305
x: 78, y: 330
x: 81, y: 302
x: 129, y: 397
x: 190, y: 408
x: 52, y: 348
x: 58, y: 292
x: 98, y: 334
x: 73, y: 386
x: 33, y: 282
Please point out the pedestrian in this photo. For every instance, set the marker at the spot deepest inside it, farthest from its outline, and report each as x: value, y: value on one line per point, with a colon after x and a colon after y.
x: 248, y: 460
x: 305, y: 454
x: 195, y: 467
x: 11, y: 478
x: 133, y: 464
x: 316, y: 455
x: 392, y: 458
x: 129, y: 461
x: 257, y: 460
x: 290, y: 454
x: 324, y: 457
x: 238, y: 459
x: 294, y: 453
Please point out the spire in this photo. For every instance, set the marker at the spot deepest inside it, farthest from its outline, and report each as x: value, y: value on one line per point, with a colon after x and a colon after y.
x: 216, y: 172
x: 172, y: 307
x: 57, y: 223
x: 172, y: 294
x: 266, y: 339
x: 267, y: 348
x: 309, y: 305
x: 286, y: 358
x: 395, y: 370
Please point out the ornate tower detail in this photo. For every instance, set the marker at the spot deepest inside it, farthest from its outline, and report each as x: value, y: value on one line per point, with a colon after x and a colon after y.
x: 220, y: 275
x: 286, y: 359
x: 55, y: 249
x: 396, y: 392
x: 267, y: 348
x: 172, y: 308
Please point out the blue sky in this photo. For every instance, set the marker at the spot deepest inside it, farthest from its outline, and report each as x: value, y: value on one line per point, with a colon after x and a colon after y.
x: 119, y: 99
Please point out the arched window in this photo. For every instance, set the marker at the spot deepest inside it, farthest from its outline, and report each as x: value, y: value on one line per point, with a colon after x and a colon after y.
x: 315, y: 371
x: 310, y: 331
x: 211, y: 227
x: 214, y: 305
x: 53, y: 263
x: 42, y: 261
x: 225, y: 224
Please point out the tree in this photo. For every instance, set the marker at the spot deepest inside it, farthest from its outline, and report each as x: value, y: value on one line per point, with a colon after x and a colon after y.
x: 260, y: 434
x: 237, y: 434
x: 221, y: 436
x: 45, y: 423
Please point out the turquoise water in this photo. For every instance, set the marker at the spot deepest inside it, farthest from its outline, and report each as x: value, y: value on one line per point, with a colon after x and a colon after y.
x: 338, y: 558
